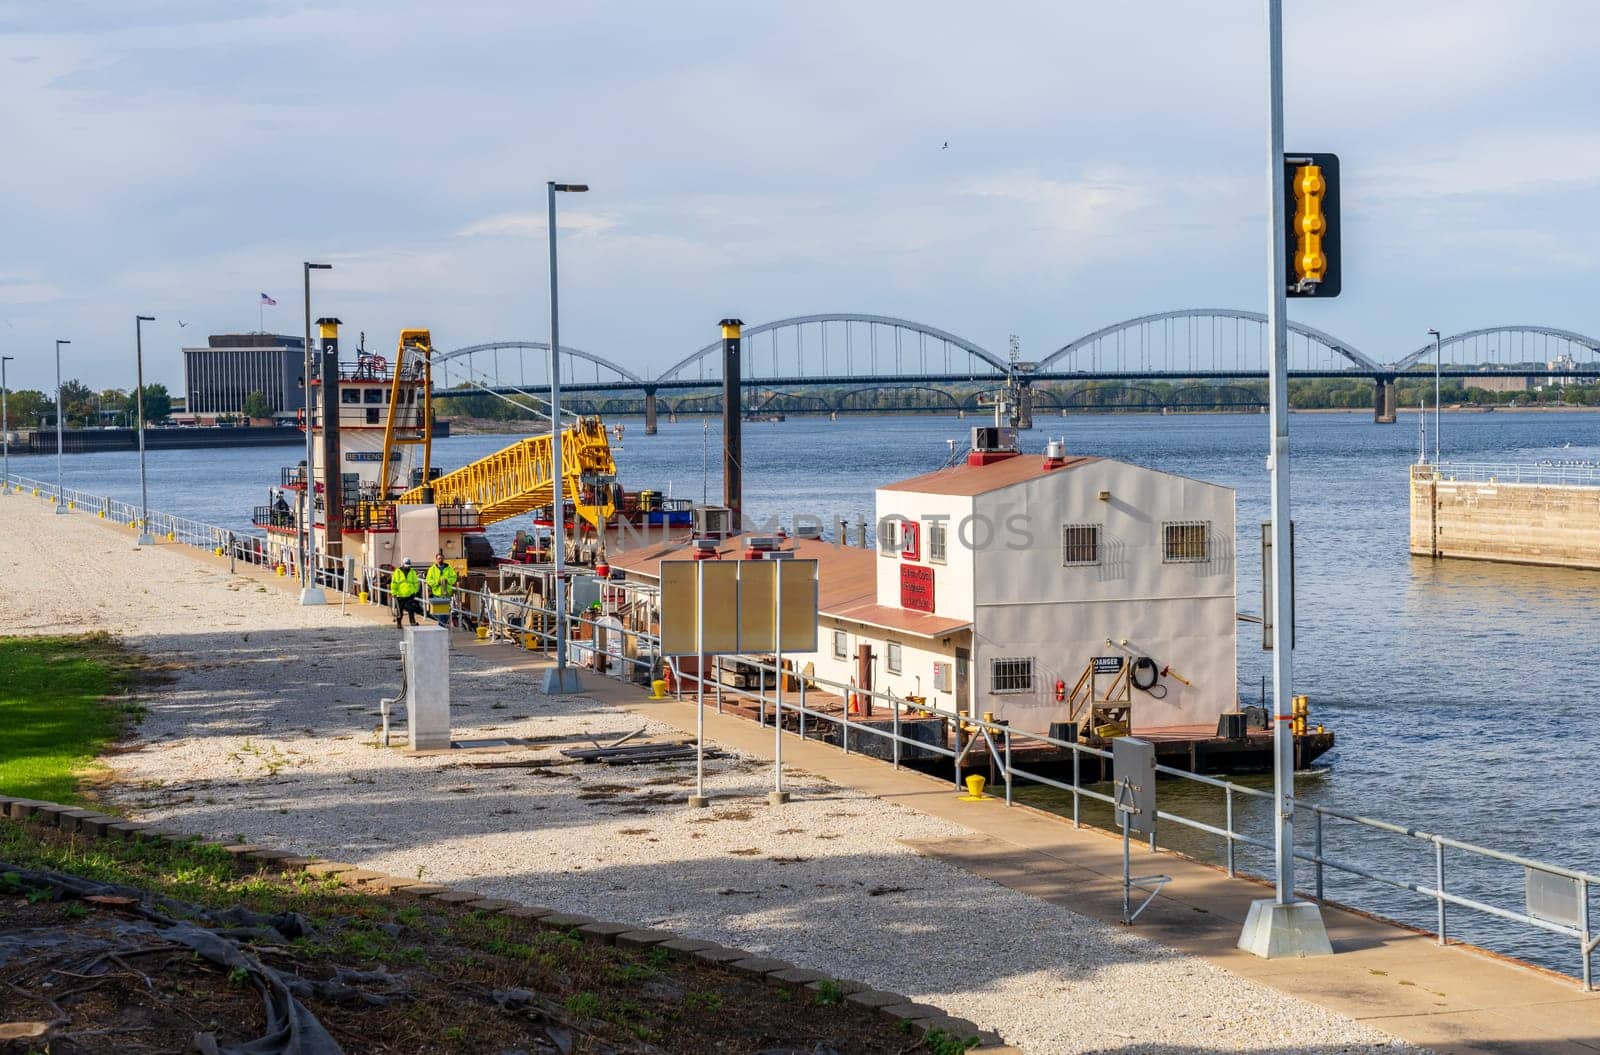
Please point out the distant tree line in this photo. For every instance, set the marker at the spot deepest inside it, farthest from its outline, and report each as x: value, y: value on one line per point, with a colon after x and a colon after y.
x: 84, y: 407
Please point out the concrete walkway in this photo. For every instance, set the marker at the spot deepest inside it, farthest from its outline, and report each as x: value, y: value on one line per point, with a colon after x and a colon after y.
x: 1450, y: 998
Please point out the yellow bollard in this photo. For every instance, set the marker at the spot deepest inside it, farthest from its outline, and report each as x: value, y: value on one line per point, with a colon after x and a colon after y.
x: 171, y: 537
x: 530, y: 642
x: 363, y: 597
x: 101, y: 514
x: 974, y: 789
x: 658, y: 690
x: 71, y: 505
x: 482, y: 632
x: 279, y: 570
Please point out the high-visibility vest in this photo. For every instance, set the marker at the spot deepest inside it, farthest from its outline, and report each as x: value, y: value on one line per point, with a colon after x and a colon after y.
x: 404, y: 582
x: 441, y: 581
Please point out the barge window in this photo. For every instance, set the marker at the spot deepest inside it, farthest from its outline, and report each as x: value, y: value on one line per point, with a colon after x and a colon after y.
x: 937, y: 545
x: 373, y: 395
x: 888, y: 536
x: 1080, y: 544
x: 841, y: 645
x: 894, y: 657
x: 350, y: 395
x: 1185, y: 541
x: 1011, y: 675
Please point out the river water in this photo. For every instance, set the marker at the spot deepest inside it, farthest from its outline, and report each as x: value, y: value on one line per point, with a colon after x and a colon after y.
x: 1460, y: 692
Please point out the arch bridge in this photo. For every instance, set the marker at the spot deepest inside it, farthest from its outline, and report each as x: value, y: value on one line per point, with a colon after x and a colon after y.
x: 805, y: 355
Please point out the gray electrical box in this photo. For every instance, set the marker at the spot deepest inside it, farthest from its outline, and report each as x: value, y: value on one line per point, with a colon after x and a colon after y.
x: 1134, y: 761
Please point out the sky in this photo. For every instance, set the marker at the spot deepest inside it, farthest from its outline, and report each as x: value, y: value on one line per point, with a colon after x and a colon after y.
x: 178, y: 158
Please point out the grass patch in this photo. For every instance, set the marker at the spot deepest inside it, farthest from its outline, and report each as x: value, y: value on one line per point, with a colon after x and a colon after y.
x: 58, y: 710
x: 438, y: 978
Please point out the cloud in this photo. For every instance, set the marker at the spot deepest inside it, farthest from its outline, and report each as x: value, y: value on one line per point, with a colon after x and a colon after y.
x: 528, y: 223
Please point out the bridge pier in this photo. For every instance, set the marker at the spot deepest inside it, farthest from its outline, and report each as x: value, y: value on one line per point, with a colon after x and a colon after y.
x: 649, y: 412
x: 1383, y: 401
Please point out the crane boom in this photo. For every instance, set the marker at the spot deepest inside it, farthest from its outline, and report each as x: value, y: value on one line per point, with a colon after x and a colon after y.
x: 519, y: 478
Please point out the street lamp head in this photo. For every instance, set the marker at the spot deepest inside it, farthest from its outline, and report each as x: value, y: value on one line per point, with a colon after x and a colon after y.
x: 144, y: 318
x: 60, y: 342
x: 570, y: 188
x: 1433, y: 333
x: 318, y: 267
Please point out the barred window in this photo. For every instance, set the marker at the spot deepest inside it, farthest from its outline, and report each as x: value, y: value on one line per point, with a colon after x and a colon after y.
x: 894, y: 657
x: 841, y: 645
x: 888, y: 537
x: 1080, y: 544
x: 936, y: 541
x: 1011, y: 675
x: 1185, y: 541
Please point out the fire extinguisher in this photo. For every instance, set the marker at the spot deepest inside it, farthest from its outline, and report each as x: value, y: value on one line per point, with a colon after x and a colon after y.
x: 1061, y: 690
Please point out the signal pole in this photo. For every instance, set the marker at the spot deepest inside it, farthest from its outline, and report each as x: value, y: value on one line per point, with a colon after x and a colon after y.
x: 1280, y: 926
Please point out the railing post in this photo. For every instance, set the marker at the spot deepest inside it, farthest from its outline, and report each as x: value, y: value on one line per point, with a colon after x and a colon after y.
x: 1318, y: 815
x: 895, y: 700
x: 1438, y: 885
x: 1583, y: 924
x: 1008, y: 764
x: 844, y: 733
x: 1228, y: 796
x: 802, y: 707
x: 1077, y: 757
x: 955, y: 760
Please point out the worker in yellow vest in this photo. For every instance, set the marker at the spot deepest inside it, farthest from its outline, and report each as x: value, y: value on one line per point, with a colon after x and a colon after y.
x: 441, y: 587
x: 405, y: 586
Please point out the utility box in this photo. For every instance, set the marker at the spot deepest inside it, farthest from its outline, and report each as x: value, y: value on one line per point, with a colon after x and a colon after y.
x: 427, y: 660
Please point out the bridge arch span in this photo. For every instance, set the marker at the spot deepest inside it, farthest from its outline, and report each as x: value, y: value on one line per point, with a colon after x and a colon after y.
x: 1060, y: 360
x: 471, y: 350
x: 1568, y: 336
x: 711, y: 351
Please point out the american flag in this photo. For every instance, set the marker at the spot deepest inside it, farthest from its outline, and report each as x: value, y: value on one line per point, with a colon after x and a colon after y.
x: 268, y: 301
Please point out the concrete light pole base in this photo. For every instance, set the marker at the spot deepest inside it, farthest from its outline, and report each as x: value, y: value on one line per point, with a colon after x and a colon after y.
x: 699, y: 802
x: 311, y: 595
x: 62, y: 511
x: 559, y: 679
x: 777, y: 798
x: 145, y: 540
x: 1273, y: 931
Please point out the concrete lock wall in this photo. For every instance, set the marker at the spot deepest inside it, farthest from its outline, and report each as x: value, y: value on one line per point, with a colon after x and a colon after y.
x: 1517, y: 523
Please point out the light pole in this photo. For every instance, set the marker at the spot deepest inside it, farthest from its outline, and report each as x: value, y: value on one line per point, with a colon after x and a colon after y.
x: 144, y: 490
x: 310, y: 592
x: 1280, y: 926
x: 1438, y: 359
x: 5, y: 429
x: 559, y: 678
x: 61, y: 501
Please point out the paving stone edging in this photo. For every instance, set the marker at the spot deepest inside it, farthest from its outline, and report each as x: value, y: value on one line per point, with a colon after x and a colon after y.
x: 894, y: 1006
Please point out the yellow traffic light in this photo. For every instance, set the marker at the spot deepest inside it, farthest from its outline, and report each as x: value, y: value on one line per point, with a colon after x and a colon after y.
x: 1310, y: 224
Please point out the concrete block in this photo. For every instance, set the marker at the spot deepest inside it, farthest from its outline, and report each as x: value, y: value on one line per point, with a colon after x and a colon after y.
x: 565, y: 921
x: 491, y: 904
x: 73, y: 820
x: 363, y: 877
x: 329, y: 868
x: 22, y: 809
x: 721, y: 954
x: 457, y: 897
x: 603, y: 933
x: 911, y: 1010
x: 421, y: 890
x: 875, y: 998
x: 682, y: 948
x: 843, y: 985
x: 527, y: 912
x: 643, y: 939
x: 427, y: 688
x: 240, y: 851
x: 1273, y: 931
x: 272, y: 858
x: 128, y: 830
x: 795, y: 978
x: 760, y: 965
x: 98, y: 826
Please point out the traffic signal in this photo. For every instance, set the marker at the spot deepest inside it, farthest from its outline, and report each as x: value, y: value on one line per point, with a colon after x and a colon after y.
x: 1311, y: 201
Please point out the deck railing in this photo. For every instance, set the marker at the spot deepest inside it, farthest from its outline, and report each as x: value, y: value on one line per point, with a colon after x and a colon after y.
x: 1570, y: 473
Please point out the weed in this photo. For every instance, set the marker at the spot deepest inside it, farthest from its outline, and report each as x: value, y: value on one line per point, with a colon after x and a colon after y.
x: 829, y: 993
x: 585, y: 1004
x: 938, y: 1042
x: 75, y: 910
x: 239, y: 976
x: 702, y: 1001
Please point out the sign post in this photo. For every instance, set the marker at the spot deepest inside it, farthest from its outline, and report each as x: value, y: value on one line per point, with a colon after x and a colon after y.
x: 1133, y: 768
x: 716, y: 608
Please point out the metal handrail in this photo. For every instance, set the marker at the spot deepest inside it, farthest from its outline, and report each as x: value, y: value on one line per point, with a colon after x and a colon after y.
x: 1547, y: 471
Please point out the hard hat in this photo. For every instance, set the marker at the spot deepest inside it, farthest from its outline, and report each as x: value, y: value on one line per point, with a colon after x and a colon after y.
x: 406, y: 563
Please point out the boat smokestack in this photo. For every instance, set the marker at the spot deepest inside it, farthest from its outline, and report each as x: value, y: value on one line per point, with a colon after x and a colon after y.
x: 332, y: 493
x: 1055, y: 453
x: 732, y: 419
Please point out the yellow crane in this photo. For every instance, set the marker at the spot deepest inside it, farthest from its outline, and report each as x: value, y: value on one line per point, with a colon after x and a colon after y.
x: 518, y: 479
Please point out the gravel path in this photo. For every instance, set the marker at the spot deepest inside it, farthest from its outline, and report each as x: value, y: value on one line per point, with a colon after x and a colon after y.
x: 268, y: 731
